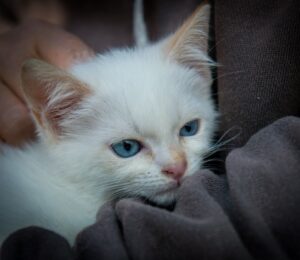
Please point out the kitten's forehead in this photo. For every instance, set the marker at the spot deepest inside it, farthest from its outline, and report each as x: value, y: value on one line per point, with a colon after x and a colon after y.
x: 134, y: 71
x: 142, y: 88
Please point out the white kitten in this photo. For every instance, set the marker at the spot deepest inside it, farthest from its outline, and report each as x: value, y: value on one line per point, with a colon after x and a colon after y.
x: 132, y: 122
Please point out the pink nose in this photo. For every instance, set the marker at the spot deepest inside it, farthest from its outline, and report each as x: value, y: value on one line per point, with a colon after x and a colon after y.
x: 176, y: 170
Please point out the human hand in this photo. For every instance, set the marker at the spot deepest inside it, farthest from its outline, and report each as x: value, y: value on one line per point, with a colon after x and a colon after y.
x: 31, y: 40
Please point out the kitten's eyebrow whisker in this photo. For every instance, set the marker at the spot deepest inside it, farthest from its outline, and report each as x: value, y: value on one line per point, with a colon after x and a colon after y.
x: 226, y: 74
x: 230, y: 37
x: 215, y: 45
x: 227, y: 132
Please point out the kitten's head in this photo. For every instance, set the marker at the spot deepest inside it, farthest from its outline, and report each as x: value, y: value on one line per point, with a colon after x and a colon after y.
x: 132, y: 122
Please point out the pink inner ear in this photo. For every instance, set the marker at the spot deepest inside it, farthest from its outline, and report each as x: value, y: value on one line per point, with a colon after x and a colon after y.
x: 55, y: 114
x: 52, y: 94
x: 188, y: 45
x: 194, y: 31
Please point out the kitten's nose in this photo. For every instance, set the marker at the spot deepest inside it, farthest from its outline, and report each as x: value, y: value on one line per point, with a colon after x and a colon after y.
x: 175, y: 170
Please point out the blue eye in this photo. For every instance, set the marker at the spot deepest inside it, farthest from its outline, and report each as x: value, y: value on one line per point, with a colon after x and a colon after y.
x: 190, y: 128
x: 126, y: 148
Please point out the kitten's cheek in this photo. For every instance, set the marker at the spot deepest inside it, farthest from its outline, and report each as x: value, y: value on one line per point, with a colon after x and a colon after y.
x: 193, y: 168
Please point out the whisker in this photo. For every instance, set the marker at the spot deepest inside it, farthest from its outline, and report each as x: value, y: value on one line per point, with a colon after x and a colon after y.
x: 221, y: 144
x: 229, y: 74
x: 227, y: 132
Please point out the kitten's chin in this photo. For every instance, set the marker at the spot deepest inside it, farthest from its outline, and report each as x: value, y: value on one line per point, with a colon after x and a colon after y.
x: 165, y: 198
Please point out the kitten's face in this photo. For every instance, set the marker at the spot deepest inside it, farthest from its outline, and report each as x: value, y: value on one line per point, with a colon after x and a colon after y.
x: 137, y: 124
x: 153, y: 121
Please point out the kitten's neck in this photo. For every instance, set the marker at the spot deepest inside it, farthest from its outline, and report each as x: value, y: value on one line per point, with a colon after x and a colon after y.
x: 57, y: 169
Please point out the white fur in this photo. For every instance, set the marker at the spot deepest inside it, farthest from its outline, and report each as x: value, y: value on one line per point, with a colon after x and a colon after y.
x: 137, y: 94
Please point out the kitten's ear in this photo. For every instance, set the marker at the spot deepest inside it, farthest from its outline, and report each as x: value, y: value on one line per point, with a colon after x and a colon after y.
x: 189, y: 44
x: 52, y: 95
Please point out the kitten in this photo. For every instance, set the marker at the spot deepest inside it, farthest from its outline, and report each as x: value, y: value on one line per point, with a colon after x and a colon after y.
x: 129, y: 123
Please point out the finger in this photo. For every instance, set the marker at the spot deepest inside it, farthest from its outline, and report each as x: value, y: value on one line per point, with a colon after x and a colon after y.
x: 16, y: 125
x: 59, y: 47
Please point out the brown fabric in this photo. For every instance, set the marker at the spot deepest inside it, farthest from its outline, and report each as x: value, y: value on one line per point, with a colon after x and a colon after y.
x: 257, y: 44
